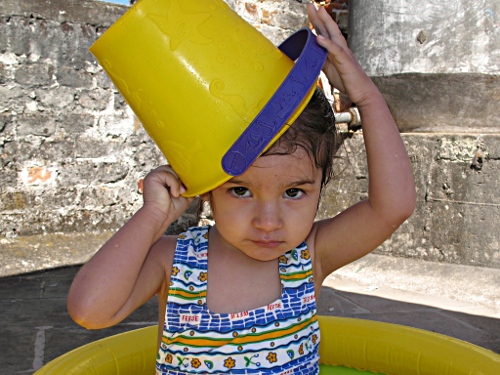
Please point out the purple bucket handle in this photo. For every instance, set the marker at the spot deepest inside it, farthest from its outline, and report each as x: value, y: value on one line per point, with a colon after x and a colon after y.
x: 310, y: 58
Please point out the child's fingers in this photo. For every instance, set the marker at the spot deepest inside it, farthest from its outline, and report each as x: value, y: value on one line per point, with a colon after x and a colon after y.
x: 329, y: 35
x: 324, y: 25
x: 317, y: 23
x: 341, y: 67
x: 167, y: 178
x: 331, y: 27
x: 172, y: 181
x: 163, y: 191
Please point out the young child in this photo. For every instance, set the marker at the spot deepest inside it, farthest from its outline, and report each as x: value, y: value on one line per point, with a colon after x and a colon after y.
x: 240, y: 296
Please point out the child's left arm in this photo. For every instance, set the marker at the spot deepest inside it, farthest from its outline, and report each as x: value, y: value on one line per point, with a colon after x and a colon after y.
x: 391, y: 189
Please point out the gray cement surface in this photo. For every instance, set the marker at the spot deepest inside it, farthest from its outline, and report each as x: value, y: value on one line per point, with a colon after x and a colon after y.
x: 35, y: 326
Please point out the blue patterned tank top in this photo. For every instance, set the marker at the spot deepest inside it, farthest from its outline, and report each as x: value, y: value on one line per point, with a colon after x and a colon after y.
x: 280, y: 338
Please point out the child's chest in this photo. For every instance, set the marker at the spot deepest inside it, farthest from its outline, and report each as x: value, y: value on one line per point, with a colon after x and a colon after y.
x: 234, y: 288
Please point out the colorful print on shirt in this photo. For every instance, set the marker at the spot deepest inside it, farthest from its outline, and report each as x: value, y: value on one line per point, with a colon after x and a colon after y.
x: 280, y: 338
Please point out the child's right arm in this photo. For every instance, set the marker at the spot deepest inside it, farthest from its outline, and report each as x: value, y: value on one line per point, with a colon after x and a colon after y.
x: 391, y: 199
x: 133, y: 265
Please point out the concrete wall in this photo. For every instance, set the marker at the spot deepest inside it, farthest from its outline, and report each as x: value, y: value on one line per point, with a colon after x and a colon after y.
x: 438, y: 65
x: 72, y: 154
x: 458, y: 207
x: 437, y: 62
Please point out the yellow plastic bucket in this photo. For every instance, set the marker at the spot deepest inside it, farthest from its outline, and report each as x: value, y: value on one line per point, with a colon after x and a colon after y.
x: 197, y: 76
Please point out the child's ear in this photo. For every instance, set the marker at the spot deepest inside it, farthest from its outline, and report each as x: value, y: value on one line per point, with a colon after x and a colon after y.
x: 205, y: 197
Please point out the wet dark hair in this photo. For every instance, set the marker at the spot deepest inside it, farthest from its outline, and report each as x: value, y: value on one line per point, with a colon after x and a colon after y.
x: 315, y: 131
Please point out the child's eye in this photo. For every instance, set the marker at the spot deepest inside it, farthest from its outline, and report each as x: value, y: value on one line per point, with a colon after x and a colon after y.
x: 293, y: 193
x: 240, y: 192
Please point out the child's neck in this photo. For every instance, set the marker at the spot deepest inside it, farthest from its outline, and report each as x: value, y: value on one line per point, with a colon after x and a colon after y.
x: 236, y: 282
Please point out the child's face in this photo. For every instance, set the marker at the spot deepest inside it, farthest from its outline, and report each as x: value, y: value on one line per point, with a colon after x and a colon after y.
x: 270, y: 208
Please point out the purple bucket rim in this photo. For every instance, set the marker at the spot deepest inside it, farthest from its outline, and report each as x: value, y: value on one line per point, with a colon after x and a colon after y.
x: 309, y: 59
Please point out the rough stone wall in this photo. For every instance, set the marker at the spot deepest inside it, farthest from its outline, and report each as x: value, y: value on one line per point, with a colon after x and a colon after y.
x: 71, y: 151
x: 276, y: 19
x: 457, y: 212
x: 72, y: 154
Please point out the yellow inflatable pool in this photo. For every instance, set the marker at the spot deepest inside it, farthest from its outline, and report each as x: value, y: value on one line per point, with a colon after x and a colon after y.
x: 348, y: 346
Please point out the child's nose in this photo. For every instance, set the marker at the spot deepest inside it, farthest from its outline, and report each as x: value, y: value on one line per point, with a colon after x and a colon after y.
x: 268, y: 217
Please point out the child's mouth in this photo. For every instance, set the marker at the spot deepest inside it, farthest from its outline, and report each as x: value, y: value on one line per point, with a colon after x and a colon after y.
x: 268, y: 244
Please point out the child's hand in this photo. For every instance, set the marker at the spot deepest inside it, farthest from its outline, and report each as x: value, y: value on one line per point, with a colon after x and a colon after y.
x: 341, y: 67
x: 162, y: 194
